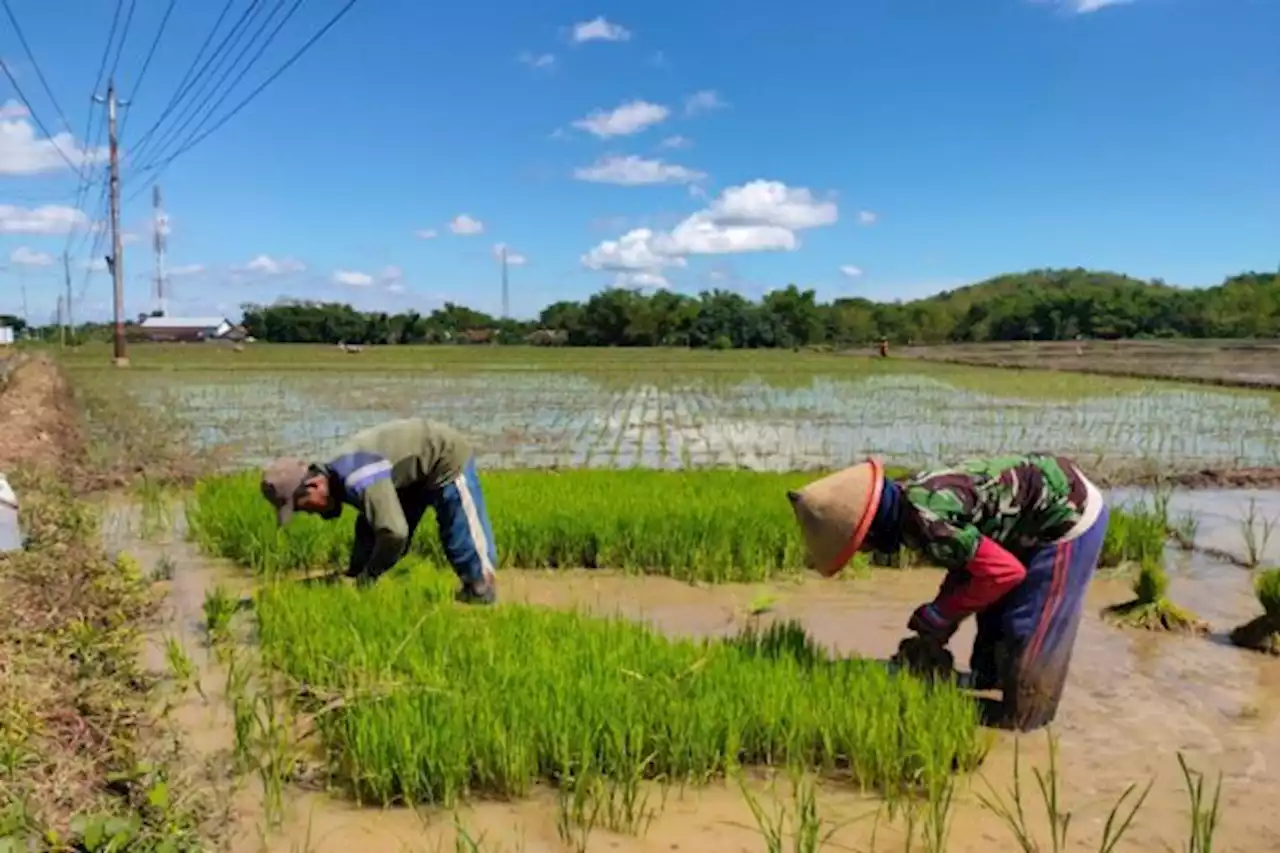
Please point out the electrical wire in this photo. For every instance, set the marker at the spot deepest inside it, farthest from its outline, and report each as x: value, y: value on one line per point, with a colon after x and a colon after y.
x: 22, y: 39
x: 124, y: 36
x: 164, y: 164
x: 35, y: 116
x: 146, y: 63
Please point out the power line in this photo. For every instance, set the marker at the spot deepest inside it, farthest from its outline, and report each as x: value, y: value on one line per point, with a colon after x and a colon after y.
x: 36, y: 117
x: 162, y: 165
x: 146, y: 63
x: 124, y: 36
x: 22, y: 39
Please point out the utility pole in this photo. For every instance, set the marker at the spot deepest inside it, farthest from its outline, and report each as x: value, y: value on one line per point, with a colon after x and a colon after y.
x: 505, y: 293
x: 115, y: 262
x: 66, y: 269
x: 62, y: 327
x: 161, y: 227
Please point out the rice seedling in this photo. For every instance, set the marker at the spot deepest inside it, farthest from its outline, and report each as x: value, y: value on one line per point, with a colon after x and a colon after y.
x: 762, y: 603
x: 1263, y: 633
x: 1255, y: 530
x: 181, y: 668
x: 164, y: 569
x: 156, y: 516
x: 1013, y: 812
x: 803, y: 823
x: 440, y: 702
x: 707, y: 526
x: 1204, y: 816
x: 1135, y: 534
x: 1151, y: 608
x: 219, y: 608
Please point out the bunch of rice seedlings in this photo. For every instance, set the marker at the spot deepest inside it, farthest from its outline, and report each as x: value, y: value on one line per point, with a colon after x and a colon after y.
x: 440, y: 702
x: 1135, y: 534
x: 708, y: 525
x: 1263, y: 634
x: 1151, y: 608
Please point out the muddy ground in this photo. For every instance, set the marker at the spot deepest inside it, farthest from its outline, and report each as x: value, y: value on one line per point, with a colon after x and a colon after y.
x: 1253, y: 364
x: 1134, y: 699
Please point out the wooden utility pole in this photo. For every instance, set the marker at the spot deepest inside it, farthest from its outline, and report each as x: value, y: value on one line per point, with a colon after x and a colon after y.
x: 115, y: 261
x: 66, y: 269
x: 62, y: 326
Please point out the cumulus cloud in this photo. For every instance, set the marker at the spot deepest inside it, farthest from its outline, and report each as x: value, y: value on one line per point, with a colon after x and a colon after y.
x: 46, y: 219
x: 514, y: 258
x: 352, y: 278
x: 623, y: 120
x: 425, y: 233
x: 12, y: 109
x: 465, y: 225
x: 267, y: 265
x: 759, y: 216
x: 599, y: 29
x: 868, y: 217
x: 703, y: 101
x: 641, y: 279
x: 24, y: 257
x: 676, y: 141
x: 633, y: 171
x: 540, y: 60
x: 22, y: 153
x: 850, y: 271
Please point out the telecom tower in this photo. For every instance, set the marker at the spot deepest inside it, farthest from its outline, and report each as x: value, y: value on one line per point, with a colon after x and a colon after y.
x: 505, y: 290
x: 161, y: 229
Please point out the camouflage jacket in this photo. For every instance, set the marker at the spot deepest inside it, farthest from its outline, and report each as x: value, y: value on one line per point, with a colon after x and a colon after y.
x: 1020, y: 502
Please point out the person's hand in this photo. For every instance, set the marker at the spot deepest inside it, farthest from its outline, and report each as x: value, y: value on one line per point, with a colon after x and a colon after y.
x: 928, y: 622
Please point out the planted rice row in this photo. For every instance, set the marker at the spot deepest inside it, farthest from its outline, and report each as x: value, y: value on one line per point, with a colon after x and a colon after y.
x: 707, y: 525
x: 443, y: 702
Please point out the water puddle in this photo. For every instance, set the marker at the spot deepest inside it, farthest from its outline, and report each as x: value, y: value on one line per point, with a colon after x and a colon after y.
x: 1133, y: 701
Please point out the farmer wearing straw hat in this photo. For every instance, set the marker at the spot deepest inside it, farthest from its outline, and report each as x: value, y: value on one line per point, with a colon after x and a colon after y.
x: 392, y: 474
x: 1019, y: 537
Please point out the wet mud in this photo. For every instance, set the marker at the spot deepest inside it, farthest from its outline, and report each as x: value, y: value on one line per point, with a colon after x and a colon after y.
x: 1133, y: 700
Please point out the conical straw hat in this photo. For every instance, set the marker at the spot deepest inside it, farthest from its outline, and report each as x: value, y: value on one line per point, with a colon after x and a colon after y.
x: 835, y: 513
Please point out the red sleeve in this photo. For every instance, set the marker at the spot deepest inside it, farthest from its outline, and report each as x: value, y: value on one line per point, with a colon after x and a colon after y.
x: 991, y: 573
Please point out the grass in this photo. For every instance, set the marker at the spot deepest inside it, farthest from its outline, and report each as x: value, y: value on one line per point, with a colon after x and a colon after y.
x: 1263, y: 633
x: 709, y: 525
x: 431, y: 702
x: 1151, y: 609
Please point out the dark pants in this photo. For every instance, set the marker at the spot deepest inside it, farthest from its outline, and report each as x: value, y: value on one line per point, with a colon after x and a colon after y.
x: 462, y: 519
x: 1025, y: 640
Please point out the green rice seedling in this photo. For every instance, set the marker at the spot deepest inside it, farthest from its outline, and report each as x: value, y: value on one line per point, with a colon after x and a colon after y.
x: 181, y: 667
x: 1151, y: 608
x: 1263, y: 633
x: 1135, y: 534
x: 1204, y: 816
x: 1013, y: 812
x: 219, y: 608
x: 164, y: 569
x: 808, y: 830
x: 441, y: 702
x: 156, y: 516
x: 1255, y: 530
x: 762, y: 603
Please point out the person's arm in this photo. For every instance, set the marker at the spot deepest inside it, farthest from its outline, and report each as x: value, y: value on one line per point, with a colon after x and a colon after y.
x: 979, y: 570
x: 381, y: 508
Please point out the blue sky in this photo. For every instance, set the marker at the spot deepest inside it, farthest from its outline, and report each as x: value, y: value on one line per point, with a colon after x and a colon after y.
x: 885, y: 148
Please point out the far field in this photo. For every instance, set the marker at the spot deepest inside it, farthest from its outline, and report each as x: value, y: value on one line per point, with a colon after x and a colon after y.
x: 661, y: 408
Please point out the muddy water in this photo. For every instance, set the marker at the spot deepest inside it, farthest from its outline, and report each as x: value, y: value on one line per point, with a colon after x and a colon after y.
x: 1133, y: 701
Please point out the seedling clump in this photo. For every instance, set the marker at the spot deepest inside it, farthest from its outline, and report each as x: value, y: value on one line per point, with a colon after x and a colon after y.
x: 1151, y: 608
x: 1263, y: 634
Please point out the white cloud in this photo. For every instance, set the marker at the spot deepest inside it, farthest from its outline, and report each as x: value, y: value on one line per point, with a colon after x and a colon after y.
x: 658, y: 59
x: 390, y: 272
x: 425, y: 233
x: 599, y: 30
x: 185, y: 270
x: 759, y: 216
x: 868, y: 217
x: 395, y: 287
x: 633, y: 171
x: 514, y: 258
x: 850, y: 271
x: 21, y: 153
x: 268, y: 265
x: 541, y: 60
x: 95, y: 265
x: 465, y: 225
x: 623, y: 120
x: 641, y: 279
x: 12, y: 109
x: 24, y: 257
x: 128, y: 237
x: 1084, y: 7
x: 699, y: 102
x: 352, y: 278
x: 46, y: 219
x: 676, y: 141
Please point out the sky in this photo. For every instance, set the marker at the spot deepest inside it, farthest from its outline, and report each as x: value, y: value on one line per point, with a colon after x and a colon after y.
x: 880, y: 148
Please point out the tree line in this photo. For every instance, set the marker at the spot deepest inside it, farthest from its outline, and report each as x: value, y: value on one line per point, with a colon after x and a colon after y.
x: 1036, y: 305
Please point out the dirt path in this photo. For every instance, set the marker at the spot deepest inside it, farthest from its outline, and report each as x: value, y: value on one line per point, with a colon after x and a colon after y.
x: 1132, y: 702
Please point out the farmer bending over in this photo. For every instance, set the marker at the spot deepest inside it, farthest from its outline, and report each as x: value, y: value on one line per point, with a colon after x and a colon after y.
x: 392, y: 474
x: 1019, y: 537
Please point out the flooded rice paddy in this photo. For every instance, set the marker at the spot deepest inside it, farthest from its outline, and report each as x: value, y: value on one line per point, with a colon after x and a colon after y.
x: 1133, y: 700
x: 573, y: 419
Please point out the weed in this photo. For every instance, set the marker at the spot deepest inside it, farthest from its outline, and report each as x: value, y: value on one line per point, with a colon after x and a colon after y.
x: 1256, y: 532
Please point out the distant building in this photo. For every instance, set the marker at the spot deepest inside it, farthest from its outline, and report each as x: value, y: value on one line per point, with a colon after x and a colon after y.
x: 6, y: 336
x: 185, y: 329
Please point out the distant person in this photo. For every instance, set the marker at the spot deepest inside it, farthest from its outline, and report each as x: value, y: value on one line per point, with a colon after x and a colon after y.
x: 392, y: 474
x: 884, y: 347
x: 1019, y: 536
